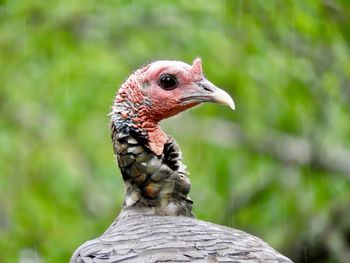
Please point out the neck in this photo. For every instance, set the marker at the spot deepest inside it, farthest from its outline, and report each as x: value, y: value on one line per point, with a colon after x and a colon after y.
x: 151, y: 166
x: 131, y: 112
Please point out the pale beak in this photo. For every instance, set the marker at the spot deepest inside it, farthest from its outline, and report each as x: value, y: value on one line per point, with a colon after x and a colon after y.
x: 222, y: 97
x: 205, y: 91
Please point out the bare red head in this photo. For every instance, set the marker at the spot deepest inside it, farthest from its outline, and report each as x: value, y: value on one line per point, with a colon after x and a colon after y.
x: 163, y: 89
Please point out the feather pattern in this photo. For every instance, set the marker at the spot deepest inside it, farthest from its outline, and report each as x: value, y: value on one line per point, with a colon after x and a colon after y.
x: 173, y: 239
x: 154, y: 181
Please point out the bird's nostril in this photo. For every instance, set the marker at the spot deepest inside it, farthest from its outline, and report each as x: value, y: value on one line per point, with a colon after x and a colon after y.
x: 206, y: 88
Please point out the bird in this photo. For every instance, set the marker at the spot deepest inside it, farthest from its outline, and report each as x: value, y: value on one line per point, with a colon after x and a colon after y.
x: 156, y: 222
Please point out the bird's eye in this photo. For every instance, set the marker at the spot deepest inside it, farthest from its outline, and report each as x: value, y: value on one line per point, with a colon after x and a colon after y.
x: 168, y: 82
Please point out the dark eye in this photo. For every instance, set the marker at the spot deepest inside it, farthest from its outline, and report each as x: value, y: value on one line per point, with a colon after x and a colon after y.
x: 168, y: 82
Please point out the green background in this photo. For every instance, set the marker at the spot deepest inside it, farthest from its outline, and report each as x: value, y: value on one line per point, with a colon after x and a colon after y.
x: 278, y: 167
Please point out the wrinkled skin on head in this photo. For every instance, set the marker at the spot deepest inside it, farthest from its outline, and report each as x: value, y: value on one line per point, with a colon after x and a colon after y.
x: 165, y: 103
x: 144, y: 101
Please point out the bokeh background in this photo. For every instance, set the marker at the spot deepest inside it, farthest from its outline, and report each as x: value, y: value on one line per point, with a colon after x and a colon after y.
x: 278, y: 167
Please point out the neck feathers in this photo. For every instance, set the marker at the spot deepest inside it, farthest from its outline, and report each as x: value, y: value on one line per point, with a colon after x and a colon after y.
x: 149, y: 160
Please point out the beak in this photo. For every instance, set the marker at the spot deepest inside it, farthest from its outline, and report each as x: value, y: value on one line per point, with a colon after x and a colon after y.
x: 205, y: 91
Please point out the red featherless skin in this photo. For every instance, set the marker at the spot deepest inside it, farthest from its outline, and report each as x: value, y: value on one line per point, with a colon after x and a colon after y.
x: 148, y: 103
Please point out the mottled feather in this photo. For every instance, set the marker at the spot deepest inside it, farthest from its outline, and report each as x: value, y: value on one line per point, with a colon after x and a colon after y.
x: 145, y: 237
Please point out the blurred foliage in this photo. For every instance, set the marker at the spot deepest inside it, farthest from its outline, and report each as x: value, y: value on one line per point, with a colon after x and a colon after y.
x: 286, y: 63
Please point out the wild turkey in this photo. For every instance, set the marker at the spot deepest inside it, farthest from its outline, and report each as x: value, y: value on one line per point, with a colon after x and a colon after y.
x: 156, y: 223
